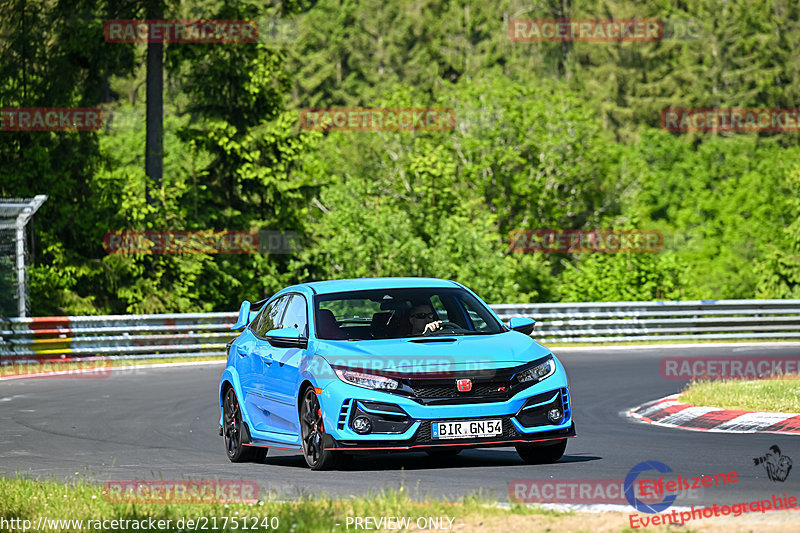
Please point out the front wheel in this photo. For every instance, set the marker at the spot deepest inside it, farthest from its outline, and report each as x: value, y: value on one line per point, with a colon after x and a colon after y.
x: 312, y: 434
x: 232, y: 433
x: 539, y: 455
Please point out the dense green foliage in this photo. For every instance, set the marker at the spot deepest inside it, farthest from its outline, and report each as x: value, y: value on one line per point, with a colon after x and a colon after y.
x: 547, y: 135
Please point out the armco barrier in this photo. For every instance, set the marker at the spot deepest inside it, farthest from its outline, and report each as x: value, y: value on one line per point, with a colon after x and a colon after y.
x: 117, y: 336
x: 659, y: 321
x: 206, y: 334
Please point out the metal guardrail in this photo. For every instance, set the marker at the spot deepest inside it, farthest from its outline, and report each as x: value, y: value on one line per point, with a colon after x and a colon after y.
x: 205, y: 334
x: 659, y: 321
x: 117, y: 336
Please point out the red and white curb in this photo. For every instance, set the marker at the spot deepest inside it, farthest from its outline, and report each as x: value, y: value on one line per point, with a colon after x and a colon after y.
x: 669, y: 412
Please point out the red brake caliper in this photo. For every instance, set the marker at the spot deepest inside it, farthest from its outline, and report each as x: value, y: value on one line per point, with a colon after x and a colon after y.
x: 319, y: 414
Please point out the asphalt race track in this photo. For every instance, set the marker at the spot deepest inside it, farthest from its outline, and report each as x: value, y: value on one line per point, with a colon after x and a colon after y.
x: 162, y: 424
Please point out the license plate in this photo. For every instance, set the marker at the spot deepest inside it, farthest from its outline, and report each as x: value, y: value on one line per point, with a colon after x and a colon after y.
x: 466, y: 429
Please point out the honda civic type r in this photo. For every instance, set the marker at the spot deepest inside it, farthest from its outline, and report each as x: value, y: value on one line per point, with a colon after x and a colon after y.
x: 336, y: 368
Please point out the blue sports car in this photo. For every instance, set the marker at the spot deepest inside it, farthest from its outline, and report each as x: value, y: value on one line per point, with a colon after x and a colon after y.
x: 337, y: 368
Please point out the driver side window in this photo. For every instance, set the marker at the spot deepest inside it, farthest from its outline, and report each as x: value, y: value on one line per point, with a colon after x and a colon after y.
x: 295, y: 315
x: 270, y: 316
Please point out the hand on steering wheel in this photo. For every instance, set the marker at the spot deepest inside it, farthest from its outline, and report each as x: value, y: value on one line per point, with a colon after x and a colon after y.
x: 437, y: 325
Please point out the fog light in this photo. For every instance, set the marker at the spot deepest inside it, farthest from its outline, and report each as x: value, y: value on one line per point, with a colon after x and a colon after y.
x: 554, y: 415
x: 362, y: 425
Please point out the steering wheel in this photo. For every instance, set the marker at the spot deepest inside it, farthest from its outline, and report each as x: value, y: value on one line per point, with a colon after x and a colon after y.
x: 445, y: 324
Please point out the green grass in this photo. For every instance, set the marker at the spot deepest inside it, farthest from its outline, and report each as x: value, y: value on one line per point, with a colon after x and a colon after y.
x: 775, y: 395
x: 29, y: 500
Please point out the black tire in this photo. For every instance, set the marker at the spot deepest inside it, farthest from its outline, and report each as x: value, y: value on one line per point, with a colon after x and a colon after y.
x: 312, y: 435
x: 540, y: 455
x: 232, y: 433
x: 443, y: 452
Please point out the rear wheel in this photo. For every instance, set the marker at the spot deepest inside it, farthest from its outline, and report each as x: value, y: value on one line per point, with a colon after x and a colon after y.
x: 539, y: 455
x: 232, y: 432
x: 312, y: 434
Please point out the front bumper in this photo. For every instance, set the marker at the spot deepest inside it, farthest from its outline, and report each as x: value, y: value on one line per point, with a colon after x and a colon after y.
x: 399, y: 423
x: 422, y: 439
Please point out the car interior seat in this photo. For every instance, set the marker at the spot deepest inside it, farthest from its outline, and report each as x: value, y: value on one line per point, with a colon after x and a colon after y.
x: 327, y: 327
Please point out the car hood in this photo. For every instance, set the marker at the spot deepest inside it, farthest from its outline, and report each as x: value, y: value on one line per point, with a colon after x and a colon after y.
x: 433, y: 354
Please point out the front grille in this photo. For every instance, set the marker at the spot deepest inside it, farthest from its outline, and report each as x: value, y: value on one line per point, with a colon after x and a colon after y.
x: 487, y: 386
x: 496, y: 389
x: 423, y: 433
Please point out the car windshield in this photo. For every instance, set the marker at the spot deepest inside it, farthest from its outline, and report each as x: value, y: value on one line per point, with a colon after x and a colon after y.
x: 398, y: 313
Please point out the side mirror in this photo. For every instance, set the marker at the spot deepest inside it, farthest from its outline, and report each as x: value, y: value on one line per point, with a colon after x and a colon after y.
x: 522, y: 324
x: 286, y: 338
x: 245, y: 316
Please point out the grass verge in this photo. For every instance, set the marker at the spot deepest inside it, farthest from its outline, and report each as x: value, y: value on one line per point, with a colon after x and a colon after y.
x: 79, y: 502
x: 43, y: 503
x: 773, y: 395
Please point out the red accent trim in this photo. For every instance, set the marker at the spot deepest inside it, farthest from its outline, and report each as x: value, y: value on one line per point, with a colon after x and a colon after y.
x: 462, y: 445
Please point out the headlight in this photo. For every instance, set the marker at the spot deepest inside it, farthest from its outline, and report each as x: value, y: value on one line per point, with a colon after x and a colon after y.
x: 538, y: 373
x: 367, y: 381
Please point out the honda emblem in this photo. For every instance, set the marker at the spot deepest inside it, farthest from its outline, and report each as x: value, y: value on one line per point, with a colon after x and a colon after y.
x: 464, y: 385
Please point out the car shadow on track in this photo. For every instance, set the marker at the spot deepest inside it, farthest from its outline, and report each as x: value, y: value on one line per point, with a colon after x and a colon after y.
x: 422, y: 461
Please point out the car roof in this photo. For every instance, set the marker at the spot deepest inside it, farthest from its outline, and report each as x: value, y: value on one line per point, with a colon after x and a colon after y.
x: 361, y: 284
